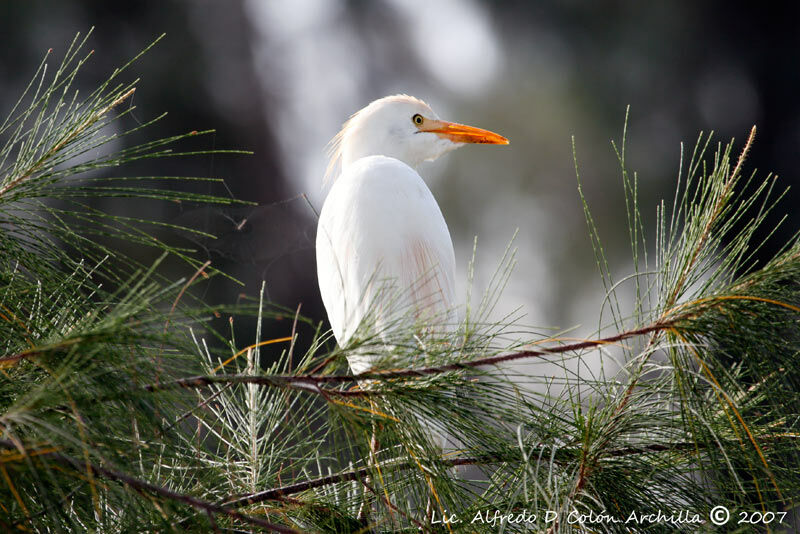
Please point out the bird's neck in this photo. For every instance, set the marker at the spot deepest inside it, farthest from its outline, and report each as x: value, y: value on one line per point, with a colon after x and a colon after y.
x: 361, y: 145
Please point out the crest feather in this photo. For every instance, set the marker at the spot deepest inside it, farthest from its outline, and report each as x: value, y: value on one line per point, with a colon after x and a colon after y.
x: 336, y: 145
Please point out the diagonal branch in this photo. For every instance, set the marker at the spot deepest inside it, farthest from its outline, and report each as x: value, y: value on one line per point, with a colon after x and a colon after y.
x: 147, y: 487
x: 313, y: 382
x: 347, y: 476
x: 359, y: 474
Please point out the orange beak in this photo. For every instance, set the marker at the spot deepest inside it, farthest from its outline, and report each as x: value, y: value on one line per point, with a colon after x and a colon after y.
x: 461, y: 133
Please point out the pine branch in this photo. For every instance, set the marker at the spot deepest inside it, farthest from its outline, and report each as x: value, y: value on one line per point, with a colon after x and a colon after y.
x: 90, y: 121
x: 81, y: 466
x: 699, y: 405
x: 312, y: 382
x: 365, y: 472
x: 722, y: 199
x: 357, y: 474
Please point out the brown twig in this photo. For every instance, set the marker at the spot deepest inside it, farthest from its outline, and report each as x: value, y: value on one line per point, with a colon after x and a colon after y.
x: 290, y: 354
x: 394, y: 508
x: 146, y: 487
x: 359, y: 474
x: 202, y: 404
x: 35, y: 351
x: 312, y: 382
x: 198, y: 272
x: 304, y: 383
x: 356, y: 474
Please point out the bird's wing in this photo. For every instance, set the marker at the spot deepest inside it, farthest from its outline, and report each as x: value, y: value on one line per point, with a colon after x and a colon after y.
x: 426, y: 276
x: 384, y: 253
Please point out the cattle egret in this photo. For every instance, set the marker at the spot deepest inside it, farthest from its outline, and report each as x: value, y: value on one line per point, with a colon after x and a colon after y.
x: 384, y: 253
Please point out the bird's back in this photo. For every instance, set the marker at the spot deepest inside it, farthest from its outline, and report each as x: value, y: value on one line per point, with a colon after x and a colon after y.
x: 385, y: 259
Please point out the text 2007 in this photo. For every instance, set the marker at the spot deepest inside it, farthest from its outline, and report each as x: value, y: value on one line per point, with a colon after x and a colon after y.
x: 761, y: 518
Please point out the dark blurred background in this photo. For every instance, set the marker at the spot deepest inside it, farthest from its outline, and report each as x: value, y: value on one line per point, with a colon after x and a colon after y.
x: 278, y: 78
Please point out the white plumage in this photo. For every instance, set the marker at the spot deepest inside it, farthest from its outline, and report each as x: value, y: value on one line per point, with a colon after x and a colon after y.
x: 384, y: 255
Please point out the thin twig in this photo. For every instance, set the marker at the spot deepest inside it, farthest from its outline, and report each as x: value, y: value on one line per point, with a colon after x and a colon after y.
x: 197, y: 407
x: 198, y: 272
x: 394, y: 508
x: 304, y: 383
x: 290, y: 354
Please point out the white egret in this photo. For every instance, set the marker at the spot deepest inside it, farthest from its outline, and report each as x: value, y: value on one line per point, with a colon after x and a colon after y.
x: 384, y: 252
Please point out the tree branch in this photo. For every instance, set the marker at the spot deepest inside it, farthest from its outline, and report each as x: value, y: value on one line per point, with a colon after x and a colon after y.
x: 358, y: 474
x: 143, y: 486
x: 312, y: 382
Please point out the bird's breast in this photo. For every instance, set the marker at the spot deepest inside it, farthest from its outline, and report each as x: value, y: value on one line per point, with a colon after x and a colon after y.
x: 382, y: 238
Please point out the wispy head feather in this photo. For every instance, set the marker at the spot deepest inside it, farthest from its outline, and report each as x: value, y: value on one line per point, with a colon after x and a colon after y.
x: 336, y: 145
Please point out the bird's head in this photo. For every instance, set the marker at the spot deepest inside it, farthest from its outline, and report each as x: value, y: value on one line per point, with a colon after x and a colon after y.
x: 405, y: 128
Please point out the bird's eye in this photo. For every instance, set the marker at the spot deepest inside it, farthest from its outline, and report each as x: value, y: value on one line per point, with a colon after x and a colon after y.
x: 417, y: 119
